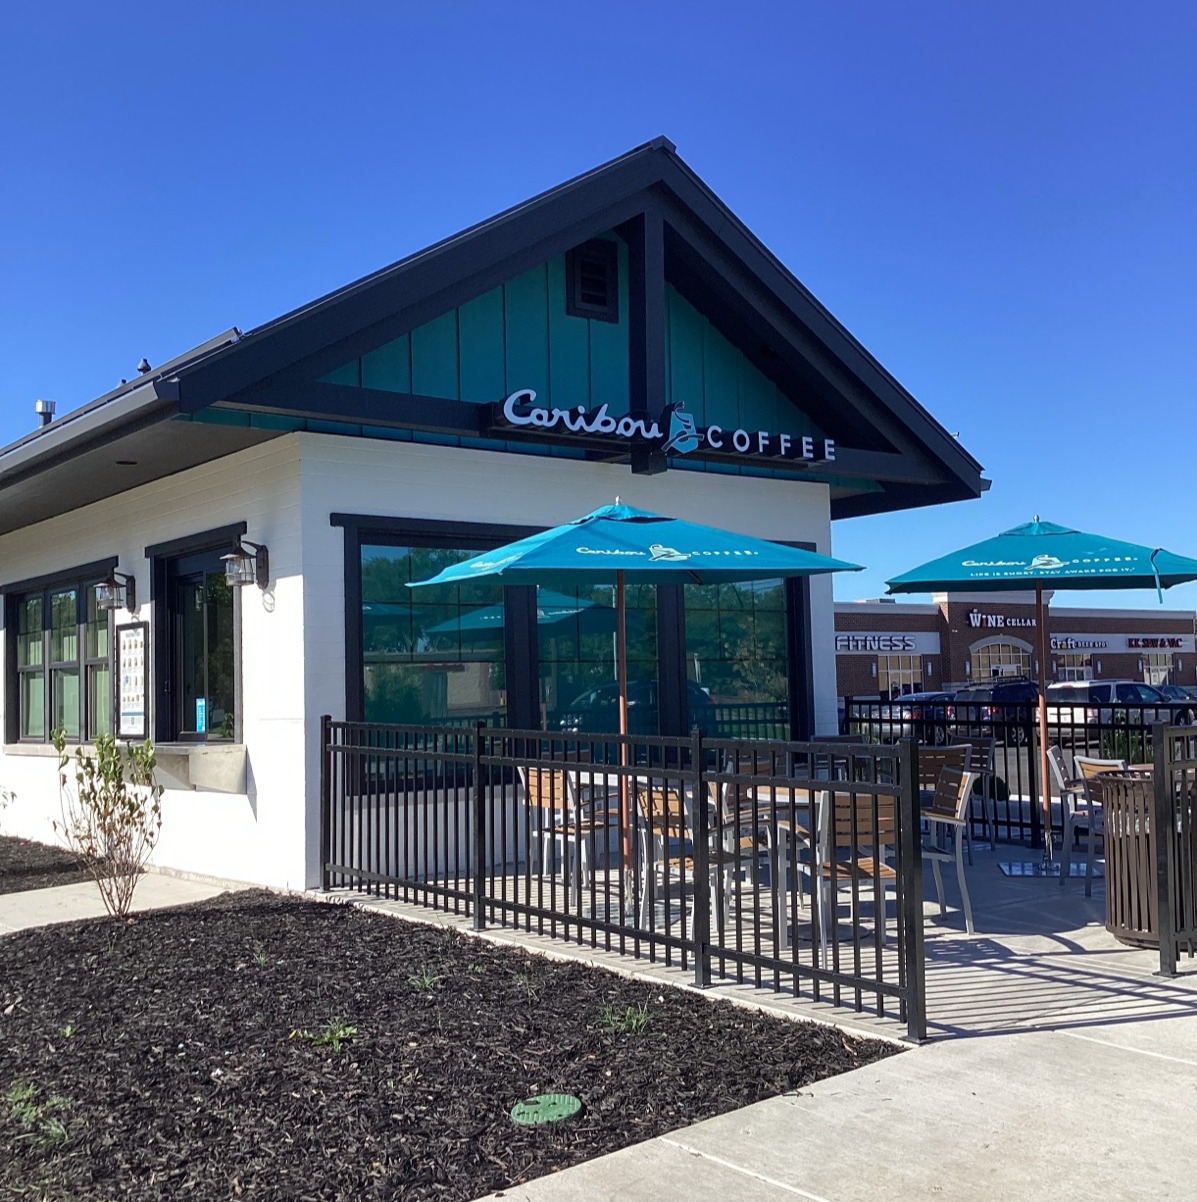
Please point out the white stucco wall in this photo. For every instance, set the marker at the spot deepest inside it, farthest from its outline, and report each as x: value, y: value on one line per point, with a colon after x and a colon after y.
x: 258, y: 835
x: 293, y: 635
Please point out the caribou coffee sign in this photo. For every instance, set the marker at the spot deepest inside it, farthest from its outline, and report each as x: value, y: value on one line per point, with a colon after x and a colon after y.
x: 675, y: 433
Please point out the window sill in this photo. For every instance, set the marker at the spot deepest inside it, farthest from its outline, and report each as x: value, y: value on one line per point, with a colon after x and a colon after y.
x: 202, y: 767
x: 44, y: 750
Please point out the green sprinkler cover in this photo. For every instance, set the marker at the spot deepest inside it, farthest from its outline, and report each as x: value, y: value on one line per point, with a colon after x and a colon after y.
x: 546, y: 1108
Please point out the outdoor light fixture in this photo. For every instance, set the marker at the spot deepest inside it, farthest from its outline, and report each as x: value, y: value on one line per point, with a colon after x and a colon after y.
x: 929, y: 666
x: 117, y: 591
x: 248, y: 563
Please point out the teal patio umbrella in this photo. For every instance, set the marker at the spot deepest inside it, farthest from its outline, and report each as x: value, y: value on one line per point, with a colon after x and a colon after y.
x: 617, y: 541
x: 1042, y: 553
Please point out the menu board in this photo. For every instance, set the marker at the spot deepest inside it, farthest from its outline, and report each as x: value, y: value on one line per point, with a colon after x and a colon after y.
x: 132, y: 680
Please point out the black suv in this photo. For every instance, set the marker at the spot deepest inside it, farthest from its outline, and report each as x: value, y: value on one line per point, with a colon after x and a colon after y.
x: 1004, y: 707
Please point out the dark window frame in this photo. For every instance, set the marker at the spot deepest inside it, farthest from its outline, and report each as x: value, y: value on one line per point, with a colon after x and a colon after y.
x: 164, y: 561
x: 603, y: 255
x: 83, y: 579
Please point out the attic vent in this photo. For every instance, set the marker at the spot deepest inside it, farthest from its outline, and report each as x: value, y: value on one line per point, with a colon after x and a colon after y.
x: 592, y: 281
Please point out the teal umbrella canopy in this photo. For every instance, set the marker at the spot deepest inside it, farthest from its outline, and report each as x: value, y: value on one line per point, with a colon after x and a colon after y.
x: 618, y: 540
x: 1056, y: 556
x: 1043, y: 555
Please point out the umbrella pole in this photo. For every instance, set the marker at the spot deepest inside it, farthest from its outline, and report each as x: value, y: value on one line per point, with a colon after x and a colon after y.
x: 621, y: 655
x: 1044, y: 772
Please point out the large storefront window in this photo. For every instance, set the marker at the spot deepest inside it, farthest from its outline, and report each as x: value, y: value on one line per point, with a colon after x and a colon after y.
x: 434, y: 655
x: 63, y: 668
x: 576, y: 636
x: 1157, y: 667
x: 898, y: 674
x: 1074, y: 665
x: 1000, y: 659
x: 736, y: 659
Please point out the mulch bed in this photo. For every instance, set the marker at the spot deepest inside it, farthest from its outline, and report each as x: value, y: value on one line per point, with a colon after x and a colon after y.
x: 27, y: 865
x: 188, y: 1055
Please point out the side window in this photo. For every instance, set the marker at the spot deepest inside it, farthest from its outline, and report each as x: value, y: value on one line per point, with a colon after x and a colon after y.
x: 61, y: 674
x: 204, y: 659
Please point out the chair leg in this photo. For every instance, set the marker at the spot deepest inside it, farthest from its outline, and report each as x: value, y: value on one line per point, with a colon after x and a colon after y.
x: 1066, y: 849
x: 943, y: 906
x: 780, y: 891
x: 968, y: 909
x: 1092, y: 840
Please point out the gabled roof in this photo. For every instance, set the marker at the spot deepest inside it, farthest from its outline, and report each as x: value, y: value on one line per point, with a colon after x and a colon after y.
x: 705, y: 250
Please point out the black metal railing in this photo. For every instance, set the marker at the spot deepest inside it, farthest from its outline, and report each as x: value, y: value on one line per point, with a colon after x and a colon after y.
x: 790, y: 866
x: 1110, y: 732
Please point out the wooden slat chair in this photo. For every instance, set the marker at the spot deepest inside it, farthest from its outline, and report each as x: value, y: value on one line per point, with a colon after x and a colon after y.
x: 932, y: 761
x: 948, y: 812
x: 982, y: 762
x: 1085, y: 813
x: 855, y: 832
x: 564, y: 825
x: 665, y: 851
x: 766, y: 815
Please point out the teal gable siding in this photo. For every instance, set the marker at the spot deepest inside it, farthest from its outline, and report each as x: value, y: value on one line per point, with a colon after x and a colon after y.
x: 717, y: 383
x: 515, y: 336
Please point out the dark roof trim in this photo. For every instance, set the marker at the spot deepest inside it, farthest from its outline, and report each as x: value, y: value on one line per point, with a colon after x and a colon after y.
x: 205, y: 540
x: 98, y: 568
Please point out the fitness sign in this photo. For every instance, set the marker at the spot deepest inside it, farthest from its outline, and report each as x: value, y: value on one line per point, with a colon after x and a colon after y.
x: 674, y: 433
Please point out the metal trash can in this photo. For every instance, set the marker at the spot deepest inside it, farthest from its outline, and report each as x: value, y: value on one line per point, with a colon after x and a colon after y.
x: 1132, y: 888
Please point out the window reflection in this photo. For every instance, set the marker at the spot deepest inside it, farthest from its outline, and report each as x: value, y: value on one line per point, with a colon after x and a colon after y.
x: 736, y: 659
x: 434, y: 655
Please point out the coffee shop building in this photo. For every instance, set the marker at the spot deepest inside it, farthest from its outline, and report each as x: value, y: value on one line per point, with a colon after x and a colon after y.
x: 885, y: 648
x: 214, y: 554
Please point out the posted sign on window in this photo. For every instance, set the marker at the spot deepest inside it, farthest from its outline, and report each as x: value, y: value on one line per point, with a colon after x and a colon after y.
x: 132, y: 679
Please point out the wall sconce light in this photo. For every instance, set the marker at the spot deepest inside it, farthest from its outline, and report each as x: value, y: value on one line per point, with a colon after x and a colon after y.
x: 928, y: 667
x: 968, y: 667
x: 1099, y: 667
x: 873, y: 665
x: 248, y: 563
x: 116, y: 591
x: 1140, y: 663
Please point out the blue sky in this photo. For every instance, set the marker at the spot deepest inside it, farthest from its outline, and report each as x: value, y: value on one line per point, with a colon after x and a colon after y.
x: 997, y: 199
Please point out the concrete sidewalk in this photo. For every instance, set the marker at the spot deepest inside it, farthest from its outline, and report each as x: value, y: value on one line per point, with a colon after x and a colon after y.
x: 66, y: 903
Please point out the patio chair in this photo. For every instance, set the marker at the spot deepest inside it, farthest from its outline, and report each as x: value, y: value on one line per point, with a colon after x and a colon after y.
x: 948, y: 812
x: 666, y: 852
x: 564, y: 824
x: 1084, y: 813
x: 981, y: 761
x: 856, y: 832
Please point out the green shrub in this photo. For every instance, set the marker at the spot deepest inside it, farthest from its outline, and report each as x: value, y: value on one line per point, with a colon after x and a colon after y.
x: 111, y: 812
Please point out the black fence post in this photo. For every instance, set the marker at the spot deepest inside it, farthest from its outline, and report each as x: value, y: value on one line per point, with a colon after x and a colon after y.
x: 911, y: 868
x: 479, y: 825
x: 325, y: 798
x: 702, y: 889
x: 1164, y: 823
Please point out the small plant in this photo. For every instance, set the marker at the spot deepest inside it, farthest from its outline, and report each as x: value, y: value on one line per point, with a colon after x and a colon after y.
x: 34, y: 1116
x: 423, y: 980
x: 632, y: 1021
x: 1128, y: 745
x: 336, y: 1033
x: 260, y: 957
x: 68, y: 1032
x: 90, y: 962
x: 111, y: 813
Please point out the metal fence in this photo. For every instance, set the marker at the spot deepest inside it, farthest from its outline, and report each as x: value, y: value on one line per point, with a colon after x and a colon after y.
x: 1113, y: 732
x: 790, y: 866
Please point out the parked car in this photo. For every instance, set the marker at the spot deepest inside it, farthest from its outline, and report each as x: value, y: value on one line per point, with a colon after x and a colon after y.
x: 1004, y: 708
x: 1184, y: 703
x: 1108, y: 702
x: 923, y: 716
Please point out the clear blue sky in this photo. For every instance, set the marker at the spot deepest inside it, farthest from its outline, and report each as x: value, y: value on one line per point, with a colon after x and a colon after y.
x: 998, y: 200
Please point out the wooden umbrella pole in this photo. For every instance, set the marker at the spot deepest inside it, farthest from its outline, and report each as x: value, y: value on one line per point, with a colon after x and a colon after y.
x: 621, y: 655
x: 1044, y: 773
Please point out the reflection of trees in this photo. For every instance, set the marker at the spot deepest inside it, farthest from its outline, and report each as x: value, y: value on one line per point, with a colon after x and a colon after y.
x: 738, y: 635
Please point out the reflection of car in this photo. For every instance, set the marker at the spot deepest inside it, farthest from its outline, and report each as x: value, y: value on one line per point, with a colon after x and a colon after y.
x: 1184, y: 709
x: 1103, y: 702
x: 1003, y: 707
x: 923, y: 716
x: 598, y: 709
